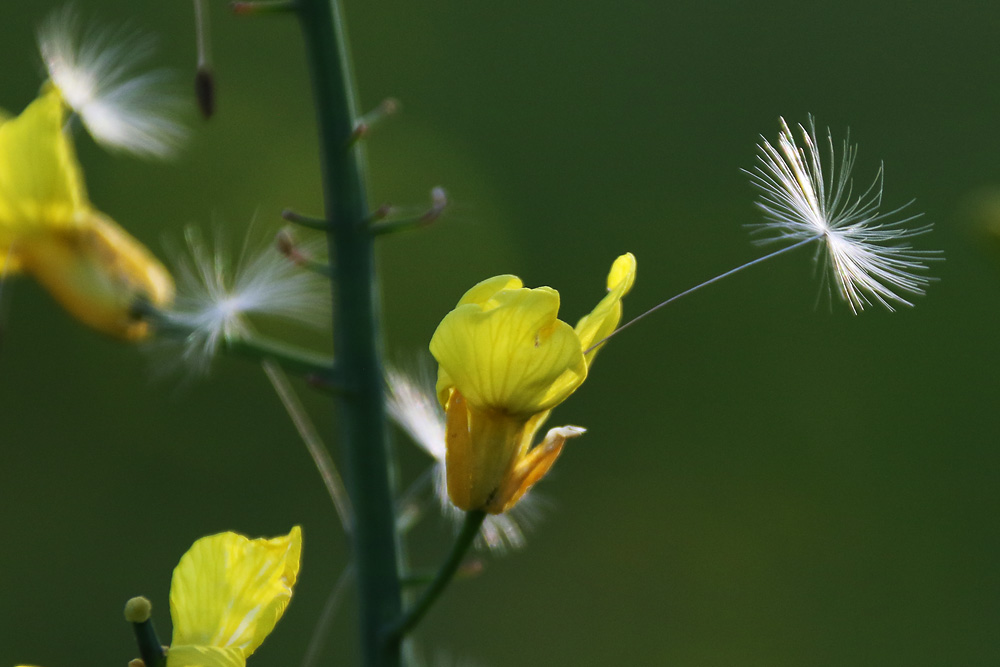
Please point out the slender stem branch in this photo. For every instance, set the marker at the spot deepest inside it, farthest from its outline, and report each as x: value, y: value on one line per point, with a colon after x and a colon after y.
x: 317, y: 448
x: 322, y: 629
x: 470, y: 528
x: 405, y: 225
x: 293, y: 359
x: 362, y: 417
x: 306, y: 220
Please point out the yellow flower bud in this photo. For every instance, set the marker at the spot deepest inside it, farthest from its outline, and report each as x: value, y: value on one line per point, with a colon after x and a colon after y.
x: 504, y: 361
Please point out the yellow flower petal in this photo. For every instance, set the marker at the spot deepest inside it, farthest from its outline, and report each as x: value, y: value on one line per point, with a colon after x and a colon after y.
x: 605, y: 317
x: 205, y: 656
x: 484, y: 292
x: 48, y: 229
x: 97, y: 271
x: 509, y: 352
x: 40, y: 180
x: 229, y: 591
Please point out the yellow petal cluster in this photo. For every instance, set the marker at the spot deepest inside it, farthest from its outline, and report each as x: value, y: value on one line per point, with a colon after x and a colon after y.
x: 49, y: 229
x: 226, y: 596
x: 504, y: 361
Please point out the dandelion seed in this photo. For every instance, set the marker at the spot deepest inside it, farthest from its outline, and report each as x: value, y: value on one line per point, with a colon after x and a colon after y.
x: 95, y: 72
x: 217, y: 294
x: 864, y: 251
x: 412, y: 405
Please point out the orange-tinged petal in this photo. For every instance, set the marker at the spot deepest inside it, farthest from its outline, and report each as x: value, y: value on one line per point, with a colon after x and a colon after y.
x: 459, y: 462
x: 531, y: 468
x: 481, y: 446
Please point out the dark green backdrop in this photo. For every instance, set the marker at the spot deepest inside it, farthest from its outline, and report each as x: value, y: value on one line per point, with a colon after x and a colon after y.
x: 764, y: 482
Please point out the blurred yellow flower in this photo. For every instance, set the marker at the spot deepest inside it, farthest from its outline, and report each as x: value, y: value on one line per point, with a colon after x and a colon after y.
x: 49, y: 230
x: 504, y: 361
x: 226, y: 596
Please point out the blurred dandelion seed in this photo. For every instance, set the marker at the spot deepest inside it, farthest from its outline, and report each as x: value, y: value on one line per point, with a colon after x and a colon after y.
x: 216, y: 293
x: 864, y: 251
x: 415, y: 409
x: 94, y: 70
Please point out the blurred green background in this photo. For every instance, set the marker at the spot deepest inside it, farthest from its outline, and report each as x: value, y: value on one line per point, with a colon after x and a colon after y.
x: 764, y: 481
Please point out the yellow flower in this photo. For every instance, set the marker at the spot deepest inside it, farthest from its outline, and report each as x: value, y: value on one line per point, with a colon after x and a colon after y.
x: 226, y: 596
x: 504, y: 361
x: 49, y: 229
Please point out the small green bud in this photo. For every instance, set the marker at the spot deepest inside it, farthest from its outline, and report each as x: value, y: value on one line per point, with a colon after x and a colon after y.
x: 138, y: 610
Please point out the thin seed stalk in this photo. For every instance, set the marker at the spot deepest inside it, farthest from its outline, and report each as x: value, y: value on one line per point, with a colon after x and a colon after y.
x: 357, y: 342
x: 466, y: 537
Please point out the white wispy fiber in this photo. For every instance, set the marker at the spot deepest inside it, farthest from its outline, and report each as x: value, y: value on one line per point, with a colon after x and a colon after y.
x: 218, y: 293
x: 864, y: 251
x: 413, y: 406
x: 95, y: 70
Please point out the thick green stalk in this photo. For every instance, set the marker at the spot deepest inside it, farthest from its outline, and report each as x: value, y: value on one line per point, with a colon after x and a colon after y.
x: 356, y: 331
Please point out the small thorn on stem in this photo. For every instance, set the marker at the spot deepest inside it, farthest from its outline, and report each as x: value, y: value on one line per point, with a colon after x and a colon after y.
x: 305, y: 220
x: 439, y: 202
x: 381, y: 213
x: 386, y: 108
x: 287, y: 245
x: 359, y: 133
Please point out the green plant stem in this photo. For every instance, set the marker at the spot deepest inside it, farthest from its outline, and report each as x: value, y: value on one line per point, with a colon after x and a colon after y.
x: 293, y: 359
x: 470, y: 528
x: 150, y: 648
x: 362, y: 416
